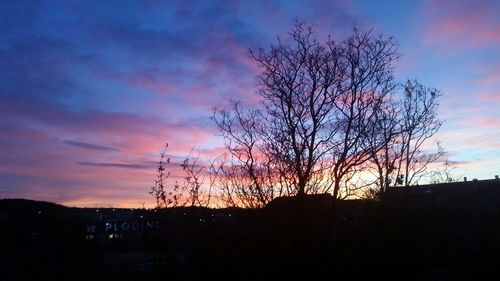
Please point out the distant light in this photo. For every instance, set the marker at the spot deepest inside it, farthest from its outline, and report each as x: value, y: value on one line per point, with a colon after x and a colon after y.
x: 39, y: 212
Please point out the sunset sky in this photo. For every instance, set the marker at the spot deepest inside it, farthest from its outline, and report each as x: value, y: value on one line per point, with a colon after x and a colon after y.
x: 91, y: 90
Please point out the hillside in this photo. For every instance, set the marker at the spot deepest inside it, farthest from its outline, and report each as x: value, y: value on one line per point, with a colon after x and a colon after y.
x: 434, y: 232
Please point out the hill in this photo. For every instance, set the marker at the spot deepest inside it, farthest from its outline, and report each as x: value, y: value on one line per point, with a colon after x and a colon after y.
x: 432, y: 232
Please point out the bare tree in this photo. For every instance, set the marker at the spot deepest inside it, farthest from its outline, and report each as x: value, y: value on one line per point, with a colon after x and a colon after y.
x: 291, y: 132
x: 194, y: 179
x: 388, y: 131
x: 299, y: 87
x: 165, y: 196
x: 158, y: 189
x: 367, y: 81
x: 420, y: 123
x: 190, y: 190
x: 444, y: 174
x: 244, y: 178
x: 407, y: 126
x: 320, y: 104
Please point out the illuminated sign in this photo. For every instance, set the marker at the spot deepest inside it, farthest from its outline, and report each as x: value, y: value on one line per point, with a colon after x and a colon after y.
x: 131, y: 226
x: 121, y: 227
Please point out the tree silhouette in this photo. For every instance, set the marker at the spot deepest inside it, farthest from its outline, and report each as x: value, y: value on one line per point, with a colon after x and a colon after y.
x: 189, y: 192
x: 367, y: 82
x: 246, y: 177
x: 320, y: 106
x: 158, y: 189
x: 420, y: 123
x: 444, y: 174
x: 194, y: 178
x: 406, y: 126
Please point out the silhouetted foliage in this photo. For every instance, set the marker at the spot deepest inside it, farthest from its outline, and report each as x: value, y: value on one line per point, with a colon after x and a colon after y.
x: 158, y: 189
x: 187, y: 193
x: 194, y: 179
x: 444, y: 174
x: 246, y: 178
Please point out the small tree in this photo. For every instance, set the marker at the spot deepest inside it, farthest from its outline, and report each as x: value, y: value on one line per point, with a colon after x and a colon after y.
x: 245, y: 178
x: 189, y: 192
x: 407, y: 126
x: 158, y: 189
x: 420, y: 123
x: 444, y: 173
x: 193, y: 181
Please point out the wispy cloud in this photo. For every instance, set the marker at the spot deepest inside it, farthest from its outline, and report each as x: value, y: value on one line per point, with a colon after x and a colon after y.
x: 461, y: 25
x: 116, y: 165
x: 90, y: 146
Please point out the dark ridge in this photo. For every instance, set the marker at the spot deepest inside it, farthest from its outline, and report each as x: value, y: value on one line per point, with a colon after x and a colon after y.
x: 432, y: 232
x: 26, y: 205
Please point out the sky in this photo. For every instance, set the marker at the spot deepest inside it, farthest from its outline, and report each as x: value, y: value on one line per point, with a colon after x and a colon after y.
x: 90, y: 91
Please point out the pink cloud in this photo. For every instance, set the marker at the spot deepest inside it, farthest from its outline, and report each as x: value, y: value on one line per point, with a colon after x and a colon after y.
x: 480, y: 138
x: 151, y: 80
x: 489, y: 97
x: 462, y: 24
x: 488, y: 74
x: 68, y: 174
x: 63, y: 156
x: 489, y: 123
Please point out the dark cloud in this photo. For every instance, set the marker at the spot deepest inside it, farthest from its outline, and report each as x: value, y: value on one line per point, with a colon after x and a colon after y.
x: 55, y: 115
x: 90, y: 146
x: 38, y: 69
x: 463, y: 162
x: 115, y: 165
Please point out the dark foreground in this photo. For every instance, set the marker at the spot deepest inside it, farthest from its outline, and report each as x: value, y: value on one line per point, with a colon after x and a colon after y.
x: 441, y: 232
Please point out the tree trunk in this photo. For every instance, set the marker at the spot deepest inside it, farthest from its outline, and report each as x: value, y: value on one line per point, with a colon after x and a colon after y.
x: 336, y: 188
x: 302, y: 188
